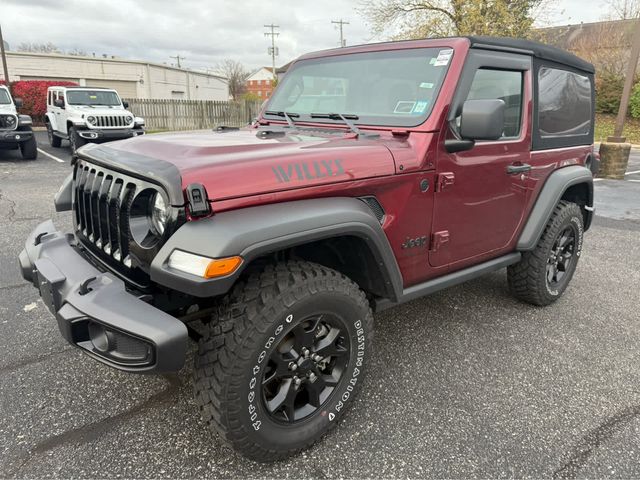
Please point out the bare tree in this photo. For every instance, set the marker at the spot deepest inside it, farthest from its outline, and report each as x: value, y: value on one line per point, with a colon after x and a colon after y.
x: 405, y: 19
x: 623, y: 9
x: 77, y: 52
x: 606, y: 45
x: 236, y: 75
x: 38, y: 47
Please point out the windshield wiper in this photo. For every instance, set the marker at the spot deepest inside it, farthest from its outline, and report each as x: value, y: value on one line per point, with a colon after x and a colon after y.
x: 346, y: 118
x: 287, y: 116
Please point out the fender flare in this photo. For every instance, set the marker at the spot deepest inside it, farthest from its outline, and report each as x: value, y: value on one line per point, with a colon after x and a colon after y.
x: 51, y: 118
x: 255, y: 231
x: 556, y: 185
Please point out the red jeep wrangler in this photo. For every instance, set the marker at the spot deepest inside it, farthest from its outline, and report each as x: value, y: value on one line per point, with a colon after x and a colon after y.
x: 375, y: 175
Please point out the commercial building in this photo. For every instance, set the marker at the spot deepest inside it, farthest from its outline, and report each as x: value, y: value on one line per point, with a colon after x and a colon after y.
x: 132, y: 78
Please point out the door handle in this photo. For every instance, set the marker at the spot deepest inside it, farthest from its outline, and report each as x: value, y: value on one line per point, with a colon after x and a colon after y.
x: 518, y: 168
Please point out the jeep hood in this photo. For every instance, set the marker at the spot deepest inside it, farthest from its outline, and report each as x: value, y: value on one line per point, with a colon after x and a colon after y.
x: 241, y: 163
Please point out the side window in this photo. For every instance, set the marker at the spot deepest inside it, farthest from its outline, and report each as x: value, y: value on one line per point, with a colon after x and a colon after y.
x: 505, y: 85
x: 49, y: 97
x: 564, y: 105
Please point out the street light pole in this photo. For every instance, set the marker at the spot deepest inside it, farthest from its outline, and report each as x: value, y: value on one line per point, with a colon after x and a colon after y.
x: 4, y: 60
x: 628, y: 85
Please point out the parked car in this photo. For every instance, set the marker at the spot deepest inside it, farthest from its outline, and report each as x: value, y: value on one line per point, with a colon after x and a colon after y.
x: 88, y: 114
x: 15, y: 130
x: 375, y: 175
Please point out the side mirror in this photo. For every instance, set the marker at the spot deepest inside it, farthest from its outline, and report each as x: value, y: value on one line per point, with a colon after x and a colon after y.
x: 59, y: 103
x: 482, y: 119
x: 18, y: 102
x: 125, y: 104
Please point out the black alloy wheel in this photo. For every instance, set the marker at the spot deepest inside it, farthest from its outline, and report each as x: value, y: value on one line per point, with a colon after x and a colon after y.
x: 561, y: 257
x: 305, y: 367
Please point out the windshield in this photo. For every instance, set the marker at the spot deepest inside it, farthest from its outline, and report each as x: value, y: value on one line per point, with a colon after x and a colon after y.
x: 389, y: 88
x: 4, y: 97
x: 93, y: 97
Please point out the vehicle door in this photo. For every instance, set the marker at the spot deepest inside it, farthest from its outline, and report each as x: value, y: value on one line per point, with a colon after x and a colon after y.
x: 481, y: 193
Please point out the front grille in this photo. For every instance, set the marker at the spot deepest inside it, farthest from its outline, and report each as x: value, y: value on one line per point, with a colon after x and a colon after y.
x: 102, y: 199
x: 111, y: 121
x: 4, y: 122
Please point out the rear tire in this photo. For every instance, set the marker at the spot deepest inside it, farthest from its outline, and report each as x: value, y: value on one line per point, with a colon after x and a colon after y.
x: 283, y: 358
x: 543, y: 274
x: 29, y: 149
x: 53, y: 140
x: 75, y: 140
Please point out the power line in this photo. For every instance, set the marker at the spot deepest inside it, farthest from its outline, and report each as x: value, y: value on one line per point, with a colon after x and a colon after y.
x: 343, y: 42
x: 272, y: 50
x: 178, y: 57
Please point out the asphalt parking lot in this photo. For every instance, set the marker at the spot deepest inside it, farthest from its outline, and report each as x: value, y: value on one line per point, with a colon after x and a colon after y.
x: 465, y: 383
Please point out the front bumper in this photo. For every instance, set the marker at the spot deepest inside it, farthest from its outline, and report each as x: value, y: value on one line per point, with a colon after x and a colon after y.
x: 97, y: 135
x: 15, y: 136
x: 94, y: 310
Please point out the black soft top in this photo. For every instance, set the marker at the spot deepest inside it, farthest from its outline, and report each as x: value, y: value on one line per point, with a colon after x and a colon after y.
x: 536, y: 49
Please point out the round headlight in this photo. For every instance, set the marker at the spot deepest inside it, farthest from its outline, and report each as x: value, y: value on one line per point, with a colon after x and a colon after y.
x: 148, y: 218
x: 129, y: 120
x: 11, y: 121
x: 159, y: 213
x: 91, y: 119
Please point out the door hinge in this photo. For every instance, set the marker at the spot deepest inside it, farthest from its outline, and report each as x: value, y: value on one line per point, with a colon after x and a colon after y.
x: 444, y: 180
x: 438, y: 239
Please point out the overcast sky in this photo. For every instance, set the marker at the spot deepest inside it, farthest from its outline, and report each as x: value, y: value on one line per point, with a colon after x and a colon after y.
x: 205, y: 32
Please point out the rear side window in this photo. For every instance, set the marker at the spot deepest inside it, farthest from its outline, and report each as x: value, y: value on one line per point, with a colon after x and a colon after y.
x: 564, y: 103
x: 505, y: 85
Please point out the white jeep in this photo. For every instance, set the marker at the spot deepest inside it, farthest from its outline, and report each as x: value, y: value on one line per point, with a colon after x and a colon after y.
x: 15, y: 130
x: 88, y: 114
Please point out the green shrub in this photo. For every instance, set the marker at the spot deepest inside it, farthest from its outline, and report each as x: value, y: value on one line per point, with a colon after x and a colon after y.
x: 634, y: 101
x: 608, y: 93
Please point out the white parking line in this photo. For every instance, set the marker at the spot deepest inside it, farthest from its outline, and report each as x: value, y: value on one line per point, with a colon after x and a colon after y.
x: 51, y: 156
x: 632, y: 173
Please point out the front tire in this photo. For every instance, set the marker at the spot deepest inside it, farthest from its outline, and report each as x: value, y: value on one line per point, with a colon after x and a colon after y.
x: 283, y: 358
x: 75, y: 140
x: 543, y: 274
x: 29, y: 149
x: 53, y: 140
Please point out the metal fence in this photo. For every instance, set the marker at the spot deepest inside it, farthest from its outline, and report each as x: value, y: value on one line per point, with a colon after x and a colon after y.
x: 192, y: 114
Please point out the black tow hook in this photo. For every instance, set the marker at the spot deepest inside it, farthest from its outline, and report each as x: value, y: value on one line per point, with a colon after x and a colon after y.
x: 84, y: 286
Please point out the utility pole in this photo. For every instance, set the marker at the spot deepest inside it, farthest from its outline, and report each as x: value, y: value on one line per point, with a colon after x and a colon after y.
x: 343, y: 42
x: 178, y: 57
x: 272, y: 50
x: 628, y: 85
x: 4, y: 60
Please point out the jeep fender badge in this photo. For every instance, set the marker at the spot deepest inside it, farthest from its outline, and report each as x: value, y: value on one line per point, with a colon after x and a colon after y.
x: 198, y: 200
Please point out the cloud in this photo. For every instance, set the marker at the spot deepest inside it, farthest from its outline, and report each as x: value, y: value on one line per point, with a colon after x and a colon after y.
x: 204, y: 32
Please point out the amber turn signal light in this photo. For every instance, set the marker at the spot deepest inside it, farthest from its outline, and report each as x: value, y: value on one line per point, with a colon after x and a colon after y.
x: 222, y: 266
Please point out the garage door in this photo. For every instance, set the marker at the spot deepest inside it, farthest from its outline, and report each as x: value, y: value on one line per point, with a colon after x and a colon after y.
x: 124, y: 88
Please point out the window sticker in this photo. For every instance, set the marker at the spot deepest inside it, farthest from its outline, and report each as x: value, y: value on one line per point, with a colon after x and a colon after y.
x: 432, y: 61
x: 404, y: 106
x: 93, y: 97
x: 420, y: 106
x: 426, y: 85
x: 443, y: 58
